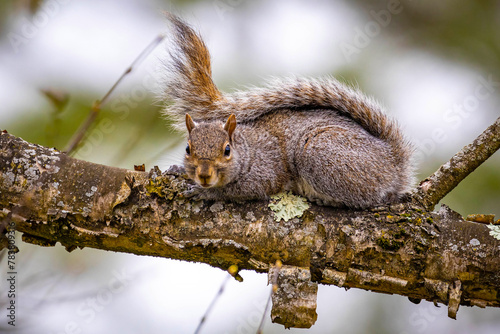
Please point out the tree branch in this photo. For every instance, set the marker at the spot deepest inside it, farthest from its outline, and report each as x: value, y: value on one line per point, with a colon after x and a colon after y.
x: 403, y: 250
x: 449, y: 175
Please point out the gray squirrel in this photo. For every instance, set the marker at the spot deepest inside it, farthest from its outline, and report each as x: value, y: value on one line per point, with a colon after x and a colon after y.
x: 317, y: 138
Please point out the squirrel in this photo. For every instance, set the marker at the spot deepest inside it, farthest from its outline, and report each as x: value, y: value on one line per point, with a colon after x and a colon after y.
x: 317, y: 138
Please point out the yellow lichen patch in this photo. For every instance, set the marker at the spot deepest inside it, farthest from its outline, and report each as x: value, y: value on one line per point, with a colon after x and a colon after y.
x: 466, y: 276
x: 287, y: 206
x: 481, y: 218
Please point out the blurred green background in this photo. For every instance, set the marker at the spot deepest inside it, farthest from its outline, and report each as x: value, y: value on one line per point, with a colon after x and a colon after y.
x: 428, y: 62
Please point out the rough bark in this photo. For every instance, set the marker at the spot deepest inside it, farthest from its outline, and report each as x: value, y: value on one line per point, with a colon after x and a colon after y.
x: 404, y: 249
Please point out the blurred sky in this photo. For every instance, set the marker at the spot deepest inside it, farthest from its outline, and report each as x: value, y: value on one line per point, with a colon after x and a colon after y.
x: 442, y: 101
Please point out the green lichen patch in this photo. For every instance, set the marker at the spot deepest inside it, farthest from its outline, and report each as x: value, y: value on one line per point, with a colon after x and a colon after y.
x: 389, y: 244
x: 494, y: 231
x: 287, y: 206
x: 419, y: 247
x: 161, y: 186
x: 155, y: 187
x: 401, y: 233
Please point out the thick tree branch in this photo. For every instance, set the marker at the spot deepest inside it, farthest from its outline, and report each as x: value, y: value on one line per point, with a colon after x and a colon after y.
x: 449, y: 175
x: 403, y: 250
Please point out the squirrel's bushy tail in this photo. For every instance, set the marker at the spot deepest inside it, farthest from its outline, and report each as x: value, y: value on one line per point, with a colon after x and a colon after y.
x: 324, y: 94
x: 191, y: 89
x: 188, y: 80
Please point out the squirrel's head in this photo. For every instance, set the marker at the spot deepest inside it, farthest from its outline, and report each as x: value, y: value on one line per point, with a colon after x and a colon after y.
x: 209, y: 152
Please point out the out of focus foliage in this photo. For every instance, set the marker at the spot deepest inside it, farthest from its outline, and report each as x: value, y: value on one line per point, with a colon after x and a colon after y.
x: 460, y: 32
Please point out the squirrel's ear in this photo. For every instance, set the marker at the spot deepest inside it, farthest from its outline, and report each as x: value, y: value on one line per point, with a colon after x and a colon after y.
x: 189, y: 123
x: 230, y: 125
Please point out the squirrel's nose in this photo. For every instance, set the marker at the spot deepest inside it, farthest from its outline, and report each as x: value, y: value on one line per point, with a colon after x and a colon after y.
x: 205, y: 174
x: 205, y: 179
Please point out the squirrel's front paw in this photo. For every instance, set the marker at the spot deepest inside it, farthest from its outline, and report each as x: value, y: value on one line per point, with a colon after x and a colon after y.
x: 193, y: 192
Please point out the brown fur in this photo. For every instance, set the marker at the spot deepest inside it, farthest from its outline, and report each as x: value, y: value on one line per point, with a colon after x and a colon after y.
x: 318, y: 138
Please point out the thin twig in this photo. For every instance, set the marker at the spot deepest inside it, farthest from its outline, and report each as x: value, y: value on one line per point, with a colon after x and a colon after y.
x: 232, y: 272
x: 274, y: 288
x: 94, y: 111
x: 449, y: 175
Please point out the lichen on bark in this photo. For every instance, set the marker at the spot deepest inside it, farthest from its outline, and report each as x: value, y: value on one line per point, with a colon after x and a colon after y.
x: 403, y: 249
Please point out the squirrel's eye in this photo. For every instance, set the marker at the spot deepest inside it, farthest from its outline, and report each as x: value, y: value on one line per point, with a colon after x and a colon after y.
x: 188, y: 150
x: 227, y: 150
